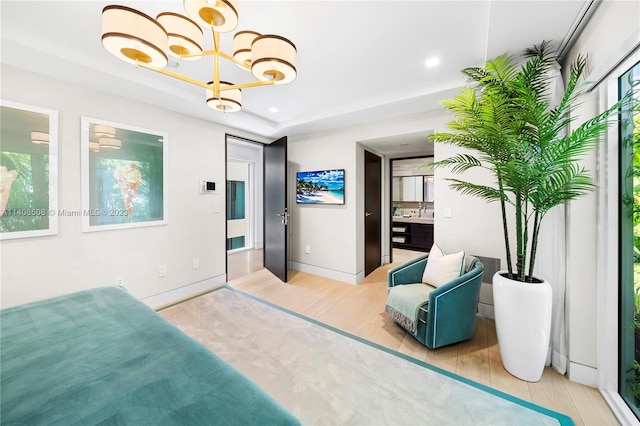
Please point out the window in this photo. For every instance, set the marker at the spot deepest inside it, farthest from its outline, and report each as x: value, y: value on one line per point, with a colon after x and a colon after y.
x: 629, y: 220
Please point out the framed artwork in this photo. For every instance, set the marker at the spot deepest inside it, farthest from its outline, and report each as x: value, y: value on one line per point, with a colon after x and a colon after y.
x: 28, y: 171
x: 124, y: 176
x: 320, y: 187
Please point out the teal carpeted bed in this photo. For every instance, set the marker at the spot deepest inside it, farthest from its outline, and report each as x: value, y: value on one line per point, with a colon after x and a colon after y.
x: 102, y: 357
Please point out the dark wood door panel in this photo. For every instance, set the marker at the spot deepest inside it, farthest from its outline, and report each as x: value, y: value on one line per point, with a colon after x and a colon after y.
x: 373, y: 212
x: 275, y: 208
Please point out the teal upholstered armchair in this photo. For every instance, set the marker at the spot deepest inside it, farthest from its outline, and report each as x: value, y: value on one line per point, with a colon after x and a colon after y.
x: 443, y: 315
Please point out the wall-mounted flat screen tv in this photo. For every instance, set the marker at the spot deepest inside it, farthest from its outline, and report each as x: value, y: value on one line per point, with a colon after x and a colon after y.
x: 320, y: 187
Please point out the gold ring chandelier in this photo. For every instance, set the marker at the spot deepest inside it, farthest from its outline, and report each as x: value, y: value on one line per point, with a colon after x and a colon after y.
x: 143, y: 41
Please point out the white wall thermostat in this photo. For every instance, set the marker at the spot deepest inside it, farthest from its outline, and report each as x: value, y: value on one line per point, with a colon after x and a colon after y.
x: 207, y: 187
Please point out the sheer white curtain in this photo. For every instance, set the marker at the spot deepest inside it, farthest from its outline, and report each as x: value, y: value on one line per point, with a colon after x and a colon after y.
x: 551, y: 261
x: 550, y: 264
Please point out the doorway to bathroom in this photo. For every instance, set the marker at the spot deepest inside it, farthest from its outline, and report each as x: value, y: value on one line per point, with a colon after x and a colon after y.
x: 413, y: 197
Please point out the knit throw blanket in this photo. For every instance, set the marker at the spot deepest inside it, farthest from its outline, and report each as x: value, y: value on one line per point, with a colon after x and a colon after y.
x: 404, y: 302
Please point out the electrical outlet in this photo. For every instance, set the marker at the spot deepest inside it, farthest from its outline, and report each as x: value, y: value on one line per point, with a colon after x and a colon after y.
x: 195, y: 263
x: 119, y: 280
x: 447, y: 212
x: 162, y: 271
x: 307, y: 249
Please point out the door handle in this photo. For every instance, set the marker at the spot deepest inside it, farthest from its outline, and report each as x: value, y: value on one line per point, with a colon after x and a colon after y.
x: 284, y: 216
x: 367, y: 214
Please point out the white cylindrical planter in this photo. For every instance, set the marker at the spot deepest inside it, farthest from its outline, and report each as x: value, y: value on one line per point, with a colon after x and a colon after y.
x: 523, y: 325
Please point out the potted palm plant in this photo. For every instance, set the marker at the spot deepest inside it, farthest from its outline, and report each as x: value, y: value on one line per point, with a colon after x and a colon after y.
x: 506, y: 125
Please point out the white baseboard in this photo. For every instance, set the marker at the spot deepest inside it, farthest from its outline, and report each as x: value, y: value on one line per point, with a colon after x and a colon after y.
x: 582, y: 374
x: 386, y: 259
x: 323, y: 272
x: 619, y: 408
x: 184, y: 292
x: 486, y: 311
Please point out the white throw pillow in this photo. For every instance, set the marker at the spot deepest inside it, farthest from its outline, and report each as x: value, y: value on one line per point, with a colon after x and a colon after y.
x: 442, y: 268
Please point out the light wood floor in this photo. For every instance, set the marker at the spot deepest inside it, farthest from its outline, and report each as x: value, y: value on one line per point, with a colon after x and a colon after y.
x: 243, y: 263
x: 359, y: 310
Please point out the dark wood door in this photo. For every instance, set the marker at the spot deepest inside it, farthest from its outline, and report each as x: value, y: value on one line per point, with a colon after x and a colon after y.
x: 372, y: 216
x: 276, y: 216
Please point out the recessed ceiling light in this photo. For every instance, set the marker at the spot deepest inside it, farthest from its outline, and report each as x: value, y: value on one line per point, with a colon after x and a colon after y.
x: 404, y: 144
x: 431, y: 62
x: 273, y: 109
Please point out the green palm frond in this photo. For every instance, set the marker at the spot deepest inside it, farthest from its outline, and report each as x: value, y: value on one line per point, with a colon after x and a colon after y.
x: 571, y: 93
x: 475, y: 73
x: 502, y: 70
x: 505, y: 120
x: 486, y: 193
x: 459, y: 163
x: 566, y: 184
x: 533, y: 75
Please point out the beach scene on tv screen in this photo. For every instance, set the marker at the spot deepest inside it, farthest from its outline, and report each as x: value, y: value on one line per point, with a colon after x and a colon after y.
x: 320, y: 187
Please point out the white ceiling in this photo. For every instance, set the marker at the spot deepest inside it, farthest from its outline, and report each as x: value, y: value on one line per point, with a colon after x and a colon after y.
x: 358, y: 61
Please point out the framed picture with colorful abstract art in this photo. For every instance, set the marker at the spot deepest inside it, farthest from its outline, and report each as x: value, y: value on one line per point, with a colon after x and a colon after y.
x: 28, y: 171
x: 124, y: 176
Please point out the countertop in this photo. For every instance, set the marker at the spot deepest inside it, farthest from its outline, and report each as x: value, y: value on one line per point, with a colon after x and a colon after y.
x: 426, y: 220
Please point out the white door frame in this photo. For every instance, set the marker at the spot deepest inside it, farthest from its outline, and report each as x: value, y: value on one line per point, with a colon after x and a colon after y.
x: 240, y: 150
x: 608, y: 345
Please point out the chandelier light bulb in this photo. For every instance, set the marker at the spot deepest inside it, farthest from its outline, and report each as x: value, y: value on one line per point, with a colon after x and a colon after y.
x: 228, y: 101
x: 134, y: 37
x: 242, y: 46
x: 185, y: 36
x: 273, y: 58
x: 219, y: 15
